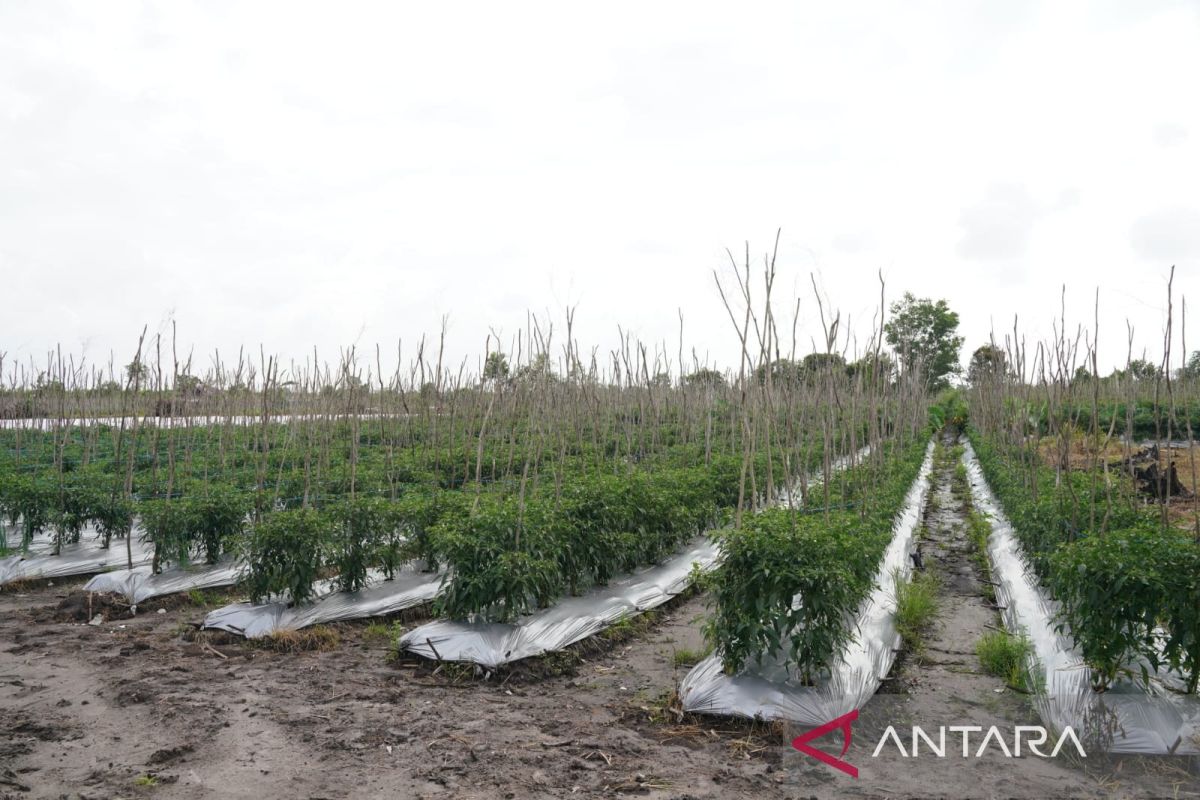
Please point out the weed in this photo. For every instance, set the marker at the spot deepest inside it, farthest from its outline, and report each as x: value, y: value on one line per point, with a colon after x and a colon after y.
x: 199, y: 597
x: 686, y: 657
x: 627, y: 627
x: 960, y: 487
x: 145, y: 780
x: 1004, y: 655
x: 978, y: 531
x: 916, y: 606
x: 378, y: 631
x: 664, y: 709
x: 318, y: 637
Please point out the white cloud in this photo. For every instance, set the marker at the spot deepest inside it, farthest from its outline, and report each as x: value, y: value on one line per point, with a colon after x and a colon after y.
x: 298, y: 174
x: 1170, y: 134
x: 1167, y: 235
x: 998, y: 227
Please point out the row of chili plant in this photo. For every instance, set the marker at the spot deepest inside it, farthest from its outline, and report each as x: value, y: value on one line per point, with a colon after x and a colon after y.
x: 791, y: 582
x: 1127, y: 586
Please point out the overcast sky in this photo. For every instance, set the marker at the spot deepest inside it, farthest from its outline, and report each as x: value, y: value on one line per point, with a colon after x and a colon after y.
x: 299, y: 175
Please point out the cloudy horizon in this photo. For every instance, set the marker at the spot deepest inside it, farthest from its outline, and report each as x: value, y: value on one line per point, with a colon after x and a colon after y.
x: 294, y: 176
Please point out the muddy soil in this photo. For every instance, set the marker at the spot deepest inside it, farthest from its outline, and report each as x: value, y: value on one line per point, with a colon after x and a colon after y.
x: 132, y: 708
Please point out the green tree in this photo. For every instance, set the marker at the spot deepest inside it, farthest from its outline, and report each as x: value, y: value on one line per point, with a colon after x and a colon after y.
x: 136, y: 371
x: 495, y: 368
x: 987, y: 362
x: 189, y: 385
x: 1191, y: 370
x: 818, y: 363
x: 705, y: 377
x: 782, y: 371
x: 869, y: 366
x: 923, y: 334
x: 1143, y: 370
x: 539, y: 369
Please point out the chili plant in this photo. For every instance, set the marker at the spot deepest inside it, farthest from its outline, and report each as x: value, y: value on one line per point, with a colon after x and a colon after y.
x: 501, y: 568
x: 167, y: 525
x: 417, y: 513
x: 791, y: 582
x: 29, y: 503
x: 784, y: 590
x: 216, y: 518
x: 363, y: 527
x: 285, y: 553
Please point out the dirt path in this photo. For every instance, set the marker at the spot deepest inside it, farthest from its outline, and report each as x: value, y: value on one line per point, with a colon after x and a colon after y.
x: 131, y: 708
x: 946, y: 686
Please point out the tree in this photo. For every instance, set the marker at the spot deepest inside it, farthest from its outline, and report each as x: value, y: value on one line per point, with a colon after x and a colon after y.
x: 538, y: 369
x: 782, y: 371
x: 189, y: 385
x: 495, y: 368
x: 923, y: 334
x: 706, y: 377
x: 136, y: 371
x: 1191, y: 370
x: 1143, y: 370
x: 987, y: 362
x: 819, y: 363
x: 868, y: 366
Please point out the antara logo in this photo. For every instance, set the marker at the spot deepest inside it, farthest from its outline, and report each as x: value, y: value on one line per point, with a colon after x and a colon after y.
x: 1031, y: 737
x: 843, y: 723
x: 1036, y: 737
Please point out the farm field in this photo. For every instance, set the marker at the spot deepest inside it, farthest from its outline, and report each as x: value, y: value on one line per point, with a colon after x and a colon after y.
x: 308, y: 708
x: 836, y: 535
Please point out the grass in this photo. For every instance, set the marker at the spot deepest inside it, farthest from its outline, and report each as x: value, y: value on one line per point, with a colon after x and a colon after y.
x: 145, y: 780
x: 960, y: 486
x: 1004, y: 655
x: 207, y: 599
x: 686, y: 657
x: 318, y: 637
x: 978, y: 531
x: 916, y: 606
x: 631, y: 625
x: 378, y: 631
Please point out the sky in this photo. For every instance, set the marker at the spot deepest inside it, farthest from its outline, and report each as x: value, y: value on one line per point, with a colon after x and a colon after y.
x: 291, y: 176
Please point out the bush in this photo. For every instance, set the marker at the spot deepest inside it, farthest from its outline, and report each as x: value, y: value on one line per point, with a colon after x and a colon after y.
x: 113, y: 515
x: 167, y: 525
x: 285, y: 553
x: 196, y: 526
x: 502, y: 568
x: 1181, y: 616
x: 775, y: 557
x: 790, y: 583
x: 363, y: 528
x: 28, y: 501
x: 216, y: 518
x: 418, y: 512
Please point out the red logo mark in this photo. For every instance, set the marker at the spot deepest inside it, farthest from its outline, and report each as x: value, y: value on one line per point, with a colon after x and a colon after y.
x: 842, y: 722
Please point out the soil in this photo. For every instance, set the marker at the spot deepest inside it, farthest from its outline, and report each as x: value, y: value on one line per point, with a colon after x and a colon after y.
x: 140, y: 707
